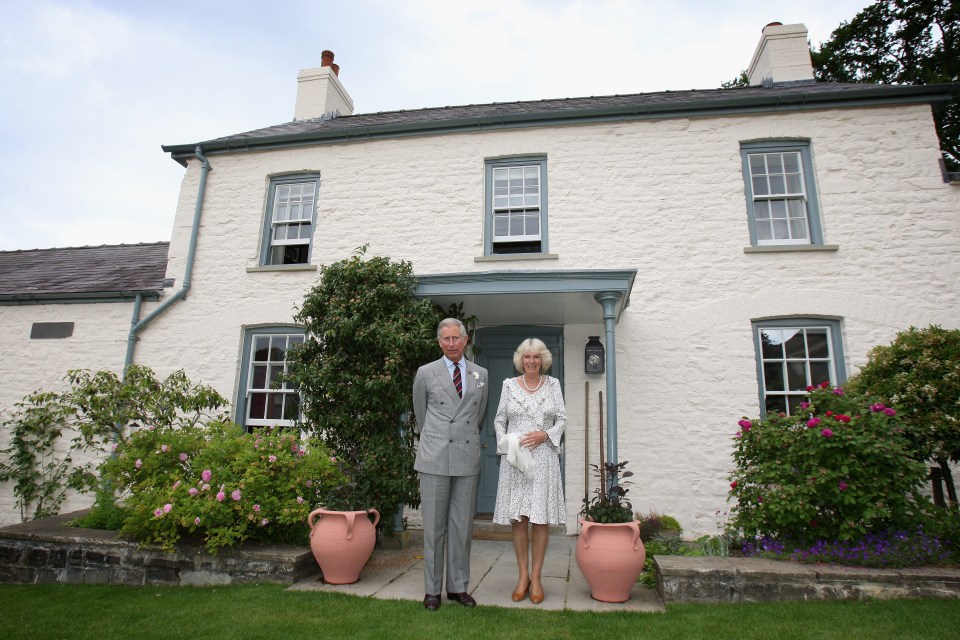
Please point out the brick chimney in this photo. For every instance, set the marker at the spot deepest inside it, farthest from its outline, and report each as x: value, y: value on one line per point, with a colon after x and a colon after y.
x: 319, y: 92
x: 782, y: 56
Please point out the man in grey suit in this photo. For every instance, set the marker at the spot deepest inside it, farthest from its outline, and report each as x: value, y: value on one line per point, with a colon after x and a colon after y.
x: 449, y: 400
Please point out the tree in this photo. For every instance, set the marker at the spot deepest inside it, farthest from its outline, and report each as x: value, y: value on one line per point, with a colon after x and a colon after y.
x: 919, y: 375
x: 370, y: 334
x: 900, y: 42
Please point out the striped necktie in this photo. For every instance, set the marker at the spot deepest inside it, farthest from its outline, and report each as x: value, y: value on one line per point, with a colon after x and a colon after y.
x: 457, y: 382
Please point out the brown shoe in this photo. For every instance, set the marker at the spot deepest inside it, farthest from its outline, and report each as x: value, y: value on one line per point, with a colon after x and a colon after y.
x: 463, y: 598
x: 431, y: 602
x: 536, y: 598
x: 521, y: 594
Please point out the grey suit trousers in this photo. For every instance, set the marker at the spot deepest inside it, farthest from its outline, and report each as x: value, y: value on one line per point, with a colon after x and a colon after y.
x: 449, y: 502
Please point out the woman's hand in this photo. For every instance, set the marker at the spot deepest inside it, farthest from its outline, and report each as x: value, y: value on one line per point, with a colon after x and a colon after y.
x: 533, y: 439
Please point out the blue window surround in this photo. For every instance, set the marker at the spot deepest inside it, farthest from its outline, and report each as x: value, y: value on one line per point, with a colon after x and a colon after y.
x: 812, y: 199
x: 488, y: 247
x: 833, y: 326
x: 240, y: 407
x: 266, y: 239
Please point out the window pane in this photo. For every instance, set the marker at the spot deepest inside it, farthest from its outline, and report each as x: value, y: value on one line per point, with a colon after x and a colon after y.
x: 794, y: 183
x: 760, y: 187
x: 778, y: 208
x: 533, y: 224
x: 794, y: 345
x: 791, y: 162
x: 773, y: 376
x: 777, y: 185
x: 757, y: 164
x: 261, y: 346
x: 771, y: 342
x: 501, y: 224
x: 762, y: 210
x: 777, y: 404
x: 796, y: 376
x: 277, y: 347
x: 817, y: 343
x: 291, y: 407
x: 819, y: 372
x: 275, y: 406
x: 798, y: 229
x: 257, y: 403
x: 259, y: 378
x: 516, y: 225
x: 276, y: 377
x: 774, y: 163
x: 781, y: 229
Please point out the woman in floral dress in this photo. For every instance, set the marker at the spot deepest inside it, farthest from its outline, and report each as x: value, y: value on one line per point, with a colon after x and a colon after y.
x: 531, y: 406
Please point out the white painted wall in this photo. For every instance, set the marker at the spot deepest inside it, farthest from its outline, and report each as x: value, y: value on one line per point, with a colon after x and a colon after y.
x: 663, y: 197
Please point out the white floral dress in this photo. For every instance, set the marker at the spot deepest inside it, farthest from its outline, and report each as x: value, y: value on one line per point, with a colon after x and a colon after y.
x: 541, y: 498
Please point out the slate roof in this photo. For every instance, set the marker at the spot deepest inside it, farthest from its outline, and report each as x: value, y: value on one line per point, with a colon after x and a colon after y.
x: 107, y: 272
x: 800, y: 95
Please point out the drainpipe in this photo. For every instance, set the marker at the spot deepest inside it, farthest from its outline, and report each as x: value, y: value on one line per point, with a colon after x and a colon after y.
x: 609, y: 300
x: 136, y: 324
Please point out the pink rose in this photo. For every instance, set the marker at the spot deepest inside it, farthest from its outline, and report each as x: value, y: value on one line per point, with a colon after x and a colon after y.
x: 163, y: 448
x: 889, y: 411
x: 826, y: 433
x: 183, y: 457
x: 272, y: 458
x: 236, y: 494
x: 812, y: 423
x: 256, y: 507
x: 843, y: 417
x: 220, y: 496
x: 205, y: 476
x: 138, y: 463
x: 196, y: 520
x: 167, y: 508
x: 193, y: 491
x: 843, y: 486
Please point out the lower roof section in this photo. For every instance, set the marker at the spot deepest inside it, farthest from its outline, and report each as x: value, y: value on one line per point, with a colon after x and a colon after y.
x: 529, y: 297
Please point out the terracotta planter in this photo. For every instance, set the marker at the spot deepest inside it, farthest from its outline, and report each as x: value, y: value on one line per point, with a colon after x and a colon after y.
x: 610, y: 557
x: 342, y: 542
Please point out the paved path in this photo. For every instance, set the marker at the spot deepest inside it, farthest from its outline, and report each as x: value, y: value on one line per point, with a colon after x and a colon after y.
x: 398, y: 575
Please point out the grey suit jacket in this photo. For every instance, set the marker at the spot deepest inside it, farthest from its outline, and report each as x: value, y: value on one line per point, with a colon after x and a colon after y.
x: 449, y: 426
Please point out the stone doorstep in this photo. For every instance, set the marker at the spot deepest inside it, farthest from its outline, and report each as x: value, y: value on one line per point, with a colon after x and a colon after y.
x: 715, y: 579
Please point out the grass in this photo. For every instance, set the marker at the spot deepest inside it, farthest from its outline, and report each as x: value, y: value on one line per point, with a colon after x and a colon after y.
x: 268, y: 611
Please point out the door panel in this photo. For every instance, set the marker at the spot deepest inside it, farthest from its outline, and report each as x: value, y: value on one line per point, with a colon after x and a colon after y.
x: 496, y: 346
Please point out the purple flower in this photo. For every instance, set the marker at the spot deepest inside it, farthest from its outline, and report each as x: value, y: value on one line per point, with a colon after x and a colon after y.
x: 309, y: 483
x: 193, y: 491
x: 158, y: 513
x: 138, y: 463
x: 826, y: 433
x: 196, y: 520
x: 746, y: 424
x: 877, y: 408
x: 163, y: 448
x: 205, y: 476
x: 183, y: 457
x: 843, y: 486
x: 804, y: 404
x: 220, y: 496
x: 889, y: 411
x: 812, y: 423
x: 236, y: 494
x: 838, y: 391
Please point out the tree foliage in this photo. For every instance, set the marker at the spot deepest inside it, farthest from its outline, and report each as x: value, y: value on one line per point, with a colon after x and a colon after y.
x: 919, y: 373
x: 369, y: 335
x: 900, y: 42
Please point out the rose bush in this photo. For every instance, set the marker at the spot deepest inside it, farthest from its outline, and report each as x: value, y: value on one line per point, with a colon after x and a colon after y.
x: 838, y: 470
x: 219, y: 485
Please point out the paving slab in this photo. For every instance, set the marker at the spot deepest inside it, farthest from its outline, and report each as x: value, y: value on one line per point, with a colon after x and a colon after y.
x: 398, y: 575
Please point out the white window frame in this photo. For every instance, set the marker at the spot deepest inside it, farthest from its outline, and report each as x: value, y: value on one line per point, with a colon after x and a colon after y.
x: 766, y: 228
x: 799, y: 364
x: 258, y: 378
x: 515, y: 203
x: 284, y: 212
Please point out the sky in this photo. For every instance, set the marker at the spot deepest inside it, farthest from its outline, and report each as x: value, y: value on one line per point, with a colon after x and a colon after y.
x: 90, y: 89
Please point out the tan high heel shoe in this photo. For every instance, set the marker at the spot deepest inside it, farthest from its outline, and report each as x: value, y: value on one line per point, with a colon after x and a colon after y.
x: 519, y: 594
x: 536, y: 598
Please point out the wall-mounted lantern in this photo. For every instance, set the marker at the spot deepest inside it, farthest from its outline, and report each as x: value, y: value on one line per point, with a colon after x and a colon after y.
x: 593, y: 359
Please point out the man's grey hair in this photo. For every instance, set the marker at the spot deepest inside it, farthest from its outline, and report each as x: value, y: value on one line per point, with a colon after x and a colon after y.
x: 451, y: 322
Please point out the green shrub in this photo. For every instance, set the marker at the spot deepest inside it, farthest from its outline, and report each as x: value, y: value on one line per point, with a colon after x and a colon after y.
x: 220, y: 485
x: 654, y: 524
x: 356, y: 377
x: 837, y: 471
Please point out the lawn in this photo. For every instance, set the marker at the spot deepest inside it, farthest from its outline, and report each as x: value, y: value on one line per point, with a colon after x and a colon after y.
x: 268, y: 611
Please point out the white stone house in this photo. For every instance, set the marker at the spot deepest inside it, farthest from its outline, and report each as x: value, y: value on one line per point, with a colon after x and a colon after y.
x: 686, y: 229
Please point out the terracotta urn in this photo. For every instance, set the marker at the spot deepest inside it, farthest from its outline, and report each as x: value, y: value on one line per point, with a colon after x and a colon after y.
x: 342, y: 542
x: 610, y: 557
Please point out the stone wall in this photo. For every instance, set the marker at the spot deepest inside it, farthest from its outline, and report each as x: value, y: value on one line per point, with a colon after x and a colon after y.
x: 722, y: 580
x: 46, y: 551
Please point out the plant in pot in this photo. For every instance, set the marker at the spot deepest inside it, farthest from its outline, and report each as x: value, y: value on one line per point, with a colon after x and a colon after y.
x: 342, y: 533
x: 609, y: 552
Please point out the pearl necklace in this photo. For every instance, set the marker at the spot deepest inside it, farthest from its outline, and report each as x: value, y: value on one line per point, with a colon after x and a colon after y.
x: 523, y: 380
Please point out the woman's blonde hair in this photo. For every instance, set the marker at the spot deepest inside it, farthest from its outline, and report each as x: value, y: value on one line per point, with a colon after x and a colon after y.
x: 533, y: 344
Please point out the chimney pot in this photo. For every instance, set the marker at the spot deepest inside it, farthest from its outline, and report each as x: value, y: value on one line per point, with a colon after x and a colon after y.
x: 326, y: 58
x: 336, y: 69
